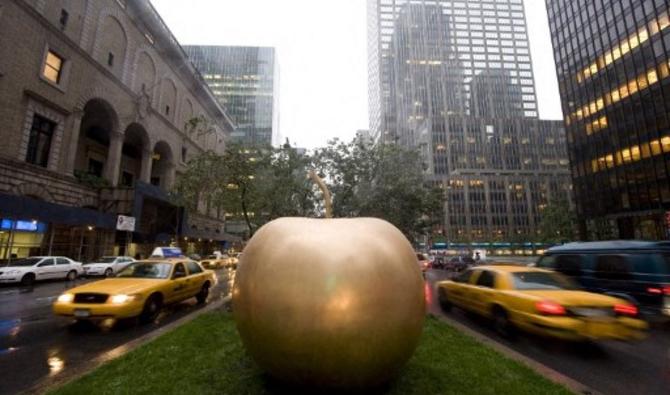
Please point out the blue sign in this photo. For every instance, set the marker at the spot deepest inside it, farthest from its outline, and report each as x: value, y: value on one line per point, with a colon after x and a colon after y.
x: 22, y: 226
x: 167, y: 252
x: 171, y: 252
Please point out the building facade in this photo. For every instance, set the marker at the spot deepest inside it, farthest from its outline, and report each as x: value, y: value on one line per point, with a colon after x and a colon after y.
x: 95, y: 98
x: 455, y: 40
x: 612, y: 61
x: 454, y: 78
x: 245, y: 82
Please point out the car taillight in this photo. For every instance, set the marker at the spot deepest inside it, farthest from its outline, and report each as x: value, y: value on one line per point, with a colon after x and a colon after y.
x: 659, y: 291
x: 625, y: 309
x: 547, y: 307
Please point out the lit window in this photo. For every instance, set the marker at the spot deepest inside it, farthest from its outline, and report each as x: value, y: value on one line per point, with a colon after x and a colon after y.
x: 53, y: 67
x: 655, y: 147
x: 665, y: 143
x: 635, y: 152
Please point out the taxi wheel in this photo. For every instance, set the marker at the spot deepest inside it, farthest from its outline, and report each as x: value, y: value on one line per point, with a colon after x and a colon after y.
x: 501, y: 323
x: 109, y: 272
x: 445, y: 305
x: 28, y: 279
x: 201, y: 297
x: 151, y: 309
x: 71, y: 275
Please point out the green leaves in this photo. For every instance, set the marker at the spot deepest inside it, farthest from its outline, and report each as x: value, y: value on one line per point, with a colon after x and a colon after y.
x: 383, y: 181
x: 260, y: 184
x: 557, y: 222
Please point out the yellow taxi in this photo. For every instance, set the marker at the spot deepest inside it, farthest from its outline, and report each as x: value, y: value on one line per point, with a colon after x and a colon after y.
x: 541, y: 302
x: 140, y: 289
x: 214, y: 262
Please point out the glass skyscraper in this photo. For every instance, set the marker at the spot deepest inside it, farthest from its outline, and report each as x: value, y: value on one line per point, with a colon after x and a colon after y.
x: 245, y: 82
x: 459, y: 40
x: 612, y: 61
x: 454, y: 78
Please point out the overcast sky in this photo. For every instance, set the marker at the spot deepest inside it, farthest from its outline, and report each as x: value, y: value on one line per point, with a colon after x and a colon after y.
x: 322, y: 51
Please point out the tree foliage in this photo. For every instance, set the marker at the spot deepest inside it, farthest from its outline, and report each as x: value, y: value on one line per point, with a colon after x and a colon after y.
x: 260, y: 184
x: 384, y: 181
x: 254, y: 185
x: 557, y: 222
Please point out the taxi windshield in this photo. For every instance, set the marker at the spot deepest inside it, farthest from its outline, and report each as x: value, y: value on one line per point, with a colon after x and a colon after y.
x: 542, y: 281
x: 159, y: 270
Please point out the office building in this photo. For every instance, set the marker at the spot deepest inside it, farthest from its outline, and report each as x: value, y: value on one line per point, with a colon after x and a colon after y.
x: 614, y: 79
x: 454, y: 79
x: 245, y: 81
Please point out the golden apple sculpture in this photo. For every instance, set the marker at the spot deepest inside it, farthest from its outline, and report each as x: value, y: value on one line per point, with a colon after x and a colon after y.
x: 329, y: 302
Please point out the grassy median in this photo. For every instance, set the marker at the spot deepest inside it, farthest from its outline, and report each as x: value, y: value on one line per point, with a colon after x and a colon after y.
x: 206, y: 356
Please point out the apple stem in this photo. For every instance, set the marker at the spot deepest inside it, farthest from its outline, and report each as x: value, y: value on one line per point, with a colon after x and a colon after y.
x: 326, y: 193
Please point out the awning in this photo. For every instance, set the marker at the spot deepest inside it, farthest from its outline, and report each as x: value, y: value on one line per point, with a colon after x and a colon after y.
x: 209, y: 235
x: 21, y: 207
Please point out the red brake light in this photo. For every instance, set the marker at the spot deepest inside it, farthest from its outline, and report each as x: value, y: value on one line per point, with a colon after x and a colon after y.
x: 659, y: 291
x: 626, y: 309
x: 548, y: 307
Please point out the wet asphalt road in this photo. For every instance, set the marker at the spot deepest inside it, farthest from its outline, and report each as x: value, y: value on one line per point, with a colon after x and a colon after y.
x: 608, y: 367
x: 35, y: 344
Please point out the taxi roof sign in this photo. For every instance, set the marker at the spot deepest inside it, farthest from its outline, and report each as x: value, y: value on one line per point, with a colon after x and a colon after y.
x: 167, y: 252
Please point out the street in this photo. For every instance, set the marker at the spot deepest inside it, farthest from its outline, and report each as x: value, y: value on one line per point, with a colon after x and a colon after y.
x: 35, y: 344
x: 608, y: 367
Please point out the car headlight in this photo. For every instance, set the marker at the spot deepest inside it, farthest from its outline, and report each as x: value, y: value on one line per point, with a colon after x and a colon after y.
x: 122, y: 298
x: 65, y: 298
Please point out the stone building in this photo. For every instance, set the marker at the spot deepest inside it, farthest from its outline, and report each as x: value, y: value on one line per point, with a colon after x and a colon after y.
x: 95, y: 98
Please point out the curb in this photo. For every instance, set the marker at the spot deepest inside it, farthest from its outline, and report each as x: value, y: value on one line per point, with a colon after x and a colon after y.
x: 541, y: 369
x: 77, y: 372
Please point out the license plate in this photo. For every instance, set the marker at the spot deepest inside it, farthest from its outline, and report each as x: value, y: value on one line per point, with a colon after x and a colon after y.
x: 82, y: 313
x: 591, y: 312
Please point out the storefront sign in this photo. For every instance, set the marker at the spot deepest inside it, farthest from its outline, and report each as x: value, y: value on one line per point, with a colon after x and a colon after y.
x: 125, y: 223
x: 22, y: 226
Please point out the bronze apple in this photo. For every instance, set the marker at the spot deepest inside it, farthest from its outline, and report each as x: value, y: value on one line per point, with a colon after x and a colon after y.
x: 329, y: 302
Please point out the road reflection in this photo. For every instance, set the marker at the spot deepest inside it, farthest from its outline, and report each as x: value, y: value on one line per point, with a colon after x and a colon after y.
x: 34, y: 344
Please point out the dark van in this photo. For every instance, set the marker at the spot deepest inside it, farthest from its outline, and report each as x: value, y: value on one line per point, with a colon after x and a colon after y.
x: 638, y: 271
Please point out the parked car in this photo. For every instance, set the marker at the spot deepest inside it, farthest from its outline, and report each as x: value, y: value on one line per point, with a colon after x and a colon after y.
x: 28, y: 270
x: 439, y: 262
x: 637, y: 271
x: 107, y: 265
x: 542, y: 302
x: 141, y: 289
x: 460, y: 263
x: 424, y: 262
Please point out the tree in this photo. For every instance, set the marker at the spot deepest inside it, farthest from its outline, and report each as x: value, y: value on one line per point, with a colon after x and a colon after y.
x: 253, y: 184
x: 384, y: 181
x: 557, y: 222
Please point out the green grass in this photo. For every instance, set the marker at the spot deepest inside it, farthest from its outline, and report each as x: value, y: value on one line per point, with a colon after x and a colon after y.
x: 206, y: 356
